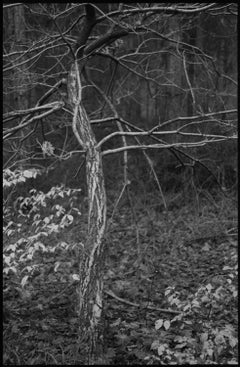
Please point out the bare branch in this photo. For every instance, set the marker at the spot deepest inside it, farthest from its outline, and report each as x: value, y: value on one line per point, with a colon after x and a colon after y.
x: 186, y: 118
x: 163, y: 146
x: 158, y: 9
x: 11, y: 5
x: 55, y: 106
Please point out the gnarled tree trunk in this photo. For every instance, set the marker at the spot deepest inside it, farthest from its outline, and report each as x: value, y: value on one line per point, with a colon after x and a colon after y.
x: 90, y: 289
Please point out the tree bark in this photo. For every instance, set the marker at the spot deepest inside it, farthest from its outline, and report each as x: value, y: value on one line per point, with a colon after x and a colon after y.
x: 91, y: 283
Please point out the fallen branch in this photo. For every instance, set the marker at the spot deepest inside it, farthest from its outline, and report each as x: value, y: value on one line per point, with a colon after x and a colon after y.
x: 111, y: 294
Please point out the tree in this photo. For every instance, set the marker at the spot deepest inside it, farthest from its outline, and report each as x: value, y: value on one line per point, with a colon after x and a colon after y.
x: 155, y: 61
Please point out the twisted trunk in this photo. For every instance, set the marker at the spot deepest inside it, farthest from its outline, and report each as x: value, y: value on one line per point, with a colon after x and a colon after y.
x: 91, y: 284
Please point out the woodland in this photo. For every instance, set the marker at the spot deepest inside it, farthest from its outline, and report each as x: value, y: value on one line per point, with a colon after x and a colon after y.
x: 120, y: 183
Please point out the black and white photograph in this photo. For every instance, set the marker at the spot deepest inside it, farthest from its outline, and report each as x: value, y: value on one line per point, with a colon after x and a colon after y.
x: 120, y: 183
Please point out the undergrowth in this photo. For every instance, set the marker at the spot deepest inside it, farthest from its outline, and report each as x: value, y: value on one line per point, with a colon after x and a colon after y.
x: 170, y: 279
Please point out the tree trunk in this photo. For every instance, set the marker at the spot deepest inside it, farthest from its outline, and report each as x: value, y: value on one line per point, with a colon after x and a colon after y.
x: 91, y: 283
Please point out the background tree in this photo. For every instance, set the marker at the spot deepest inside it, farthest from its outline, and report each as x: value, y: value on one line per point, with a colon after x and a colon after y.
x: 125, y: 81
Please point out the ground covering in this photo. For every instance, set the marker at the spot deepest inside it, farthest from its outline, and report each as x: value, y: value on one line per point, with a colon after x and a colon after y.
x: 170, y: 287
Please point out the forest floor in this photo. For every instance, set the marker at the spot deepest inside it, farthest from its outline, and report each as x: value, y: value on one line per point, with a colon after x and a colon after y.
x: 170, y: 290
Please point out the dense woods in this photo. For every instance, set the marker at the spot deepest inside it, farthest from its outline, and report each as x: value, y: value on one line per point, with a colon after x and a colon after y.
x: 119, y: 183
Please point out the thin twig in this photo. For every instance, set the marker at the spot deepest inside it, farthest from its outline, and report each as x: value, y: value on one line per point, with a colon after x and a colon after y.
x: 111, y: 294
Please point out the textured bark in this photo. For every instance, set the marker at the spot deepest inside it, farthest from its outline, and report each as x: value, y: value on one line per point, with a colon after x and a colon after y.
x: 91, y: 285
